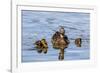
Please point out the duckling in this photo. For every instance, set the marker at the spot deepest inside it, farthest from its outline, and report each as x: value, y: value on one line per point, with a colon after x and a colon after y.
x: 41, y: 46
x: 45, y: 45
x: 38, y: 45
x: 78, y: 42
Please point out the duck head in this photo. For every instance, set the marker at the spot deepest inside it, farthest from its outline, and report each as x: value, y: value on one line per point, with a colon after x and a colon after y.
x: 62, y: 30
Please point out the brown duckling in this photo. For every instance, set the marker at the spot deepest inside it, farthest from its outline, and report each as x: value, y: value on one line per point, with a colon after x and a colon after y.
x: 78, y: 42
x: 41, y: 46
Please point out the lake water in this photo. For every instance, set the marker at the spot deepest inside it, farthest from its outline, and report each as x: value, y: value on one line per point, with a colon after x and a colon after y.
x: 42, y: 24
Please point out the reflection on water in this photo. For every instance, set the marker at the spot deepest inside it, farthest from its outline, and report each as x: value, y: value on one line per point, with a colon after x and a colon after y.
x: 39, y: 24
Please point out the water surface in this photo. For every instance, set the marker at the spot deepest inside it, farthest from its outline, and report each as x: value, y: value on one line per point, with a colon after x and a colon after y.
x: 41, y: 24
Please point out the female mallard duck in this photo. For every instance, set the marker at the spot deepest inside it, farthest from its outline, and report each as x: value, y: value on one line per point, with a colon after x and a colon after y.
x: 60, y: 41
x: 78, y: 42
x: 41, y: 45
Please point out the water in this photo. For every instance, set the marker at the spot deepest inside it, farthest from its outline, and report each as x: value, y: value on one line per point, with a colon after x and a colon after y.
x: 41, y: 24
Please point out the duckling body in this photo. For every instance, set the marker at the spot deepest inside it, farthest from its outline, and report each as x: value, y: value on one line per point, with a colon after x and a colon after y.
x: 78, y: 42
x: 41, y: 46
x: 38, y: 46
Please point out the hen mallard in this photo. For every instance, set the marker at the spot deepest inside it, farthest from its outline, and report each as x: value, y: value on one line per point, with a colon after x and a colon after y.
x: 41, y: 46
x: 60, y: 41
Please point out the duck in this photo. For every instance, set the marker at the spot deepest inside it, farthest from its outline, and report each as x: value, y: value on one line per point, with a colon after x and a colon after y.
x: 60, y: 41
x: 78, y: 42
x: 41, y: 46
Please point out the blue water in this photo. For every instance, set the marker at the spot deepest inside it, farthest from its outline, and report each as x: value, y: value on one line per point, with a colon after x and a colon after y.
x: 41, y: 24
